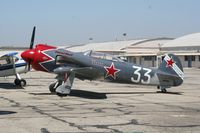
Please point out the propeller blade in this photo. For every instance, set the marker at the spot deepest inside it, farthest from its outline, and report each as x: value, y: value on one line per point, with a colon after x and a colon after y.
x: 29, y: 66
x: 32, y: 38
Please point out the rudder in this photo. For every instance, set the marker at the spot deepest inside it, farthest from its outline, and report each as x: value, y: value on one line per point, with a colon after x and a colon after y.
x: 171, y: 64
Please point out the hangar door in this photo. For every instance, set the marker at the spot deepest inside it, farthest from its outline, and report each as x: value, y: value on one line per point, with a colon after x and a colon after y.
x: 190, y: 59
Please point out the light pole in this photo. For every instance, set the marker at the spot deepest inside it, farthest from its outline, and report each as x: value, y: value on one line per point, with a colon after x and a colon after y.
x: 124, y: 36
x: 90, y: 40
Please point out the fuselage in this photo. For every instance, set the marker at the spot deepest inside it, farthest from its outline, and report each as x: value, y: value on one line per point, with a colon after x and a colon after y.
x: 102, y: 66
x: 9, y: 69
x: 115, y: 70
x: 43, y: 58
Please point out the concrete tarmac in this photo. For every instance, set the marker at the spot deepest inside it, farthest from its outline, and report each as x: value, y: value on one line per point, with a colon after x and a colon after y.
x: 99, y: 107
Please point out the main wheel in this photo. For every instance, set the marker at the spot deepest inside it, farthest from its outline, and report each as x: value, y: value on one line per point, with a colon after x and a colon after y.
x: 22, y: 82
x: 52, y: 87
x: 17, y: 82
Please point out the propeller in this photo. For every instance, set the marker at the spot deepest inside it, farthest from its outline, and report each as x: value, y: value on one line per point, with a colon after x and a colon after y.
x: 31, y: 46
x: 32, y: 38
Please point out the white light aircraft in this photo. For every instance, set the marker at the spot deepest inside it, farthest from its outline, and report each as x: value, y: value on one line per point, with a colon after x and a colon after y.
x: 12, y: 64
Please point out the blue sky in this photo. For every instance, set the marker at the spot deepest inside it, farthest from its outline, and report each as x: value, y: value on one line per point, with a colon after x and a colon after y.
x: 66, y: 22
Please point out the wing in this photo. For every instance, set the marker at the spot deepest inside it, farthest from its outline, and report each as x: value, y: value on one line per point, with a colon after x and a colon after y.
x: 64, y: 56
x: 69, y: 64
x: 11, y: 54
x: 80, y: 72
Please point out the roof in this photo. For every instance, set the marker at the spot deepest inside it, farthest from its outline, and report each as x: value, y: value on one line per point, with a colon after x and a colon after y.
x: 190, y: 40
x: 105, y: 46
x: 148, y: 46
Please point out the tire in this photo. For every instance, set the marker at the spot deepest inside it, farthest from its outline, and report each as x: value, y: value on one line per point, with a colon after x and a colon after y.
x: 52, y: 89
x: 17, y: 82
x: 163, y: 90
x: 23, y: 82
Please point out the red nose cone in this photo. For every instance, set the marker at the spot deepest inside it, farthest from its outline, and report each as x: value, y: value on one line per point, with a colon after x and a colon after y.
x: 28, y: 55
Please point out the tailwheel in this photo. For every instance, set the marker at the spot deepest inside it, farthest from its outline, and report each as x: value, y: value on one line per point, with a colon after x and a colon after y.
x: 163, y: 90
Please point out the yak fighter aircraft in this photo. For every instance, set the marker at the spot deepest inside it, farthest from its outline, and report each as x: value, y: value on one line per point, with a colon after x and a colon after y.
x: 97, y: 66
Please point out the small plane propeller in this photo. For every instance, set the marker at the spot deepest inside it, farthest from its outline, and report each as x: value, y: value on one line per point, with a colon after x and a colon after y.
x: 31, y: 47
x: 32, y: 38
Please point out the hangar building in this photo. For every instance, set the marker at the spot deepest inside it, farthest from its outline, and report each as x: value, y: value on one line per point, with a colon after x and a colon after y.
x: 187, y: 48
x: 148, y: 52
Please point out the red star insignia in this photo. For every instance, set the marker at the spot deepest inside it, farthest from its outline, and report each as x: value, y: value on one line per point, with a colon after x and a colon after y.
x: 111, y: 71
x: 170, y: 62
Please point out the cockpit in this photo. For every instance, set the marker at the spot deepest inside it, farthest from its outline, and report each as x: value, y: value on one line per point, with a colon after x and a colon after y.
x: 6, y: 60
x: 102, y: 56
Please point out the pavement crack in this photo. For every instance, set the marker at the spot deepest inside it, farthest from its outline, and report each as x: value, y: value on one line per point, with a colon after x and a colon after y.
x: 15, y: 104
x: 55, y: 118
x: 110, y: 126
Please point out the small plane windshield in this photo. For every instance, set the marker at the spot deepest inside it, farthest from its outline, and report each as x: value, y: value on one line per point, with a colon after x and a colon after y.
x: 102, y: 56
x: 6, y: 60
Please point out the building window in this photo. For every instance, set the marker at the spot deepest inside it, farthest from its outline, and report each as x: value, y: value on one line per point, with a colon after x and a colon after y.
x: 149, y: 58
x: 186, y: 58
x: 192, y: 58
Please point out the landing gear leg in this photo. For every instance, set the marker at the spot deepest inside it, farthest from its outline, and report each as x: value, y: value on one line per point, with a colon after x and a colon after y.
x: 65, y: 89
x: 19, y: 81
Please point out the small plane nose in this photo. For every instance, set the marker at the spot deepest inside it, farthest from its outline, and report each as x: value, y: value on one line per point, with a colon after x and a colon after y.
x: 28, y: 55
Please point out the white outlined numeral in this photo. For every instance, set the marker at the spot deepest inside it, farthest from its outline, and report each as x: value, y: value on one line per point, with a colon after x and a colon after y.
x: 146, y: 74
x: 138, y: 74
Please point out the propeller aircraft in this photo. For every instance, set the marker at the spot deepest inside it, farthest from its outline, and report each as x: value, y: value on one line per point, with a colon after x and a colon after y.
x: 13, y: 64
x: 92, y: 65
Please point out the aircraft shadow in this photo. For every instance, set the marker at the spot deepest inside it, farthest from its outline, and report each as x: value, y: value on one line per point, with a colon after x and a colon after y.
x: 102, y: 95
x: 42, y: 94
x: 168, y: 92
x: 175, y: 93
x: 88, y: 94
x: 80, y: 93
x: 3, y: 112
x: 9, y: 86
x: 34, y: 85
